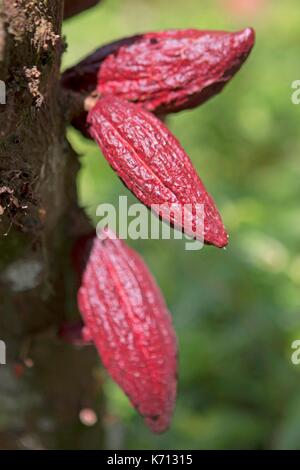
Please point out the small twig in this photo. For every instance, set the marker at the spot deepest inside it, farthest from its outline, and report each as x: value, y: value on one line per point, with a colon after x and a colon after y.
x: 74, y: 104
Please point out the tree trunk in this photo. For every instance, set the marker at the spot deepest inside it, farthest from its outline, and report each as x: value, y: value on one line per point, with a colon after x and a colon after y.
x: 45, y: 382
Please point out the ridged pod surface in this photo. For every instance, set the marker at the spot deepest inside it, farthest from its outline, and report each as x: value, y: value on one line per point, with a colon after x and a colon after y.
x: 129, y: 323
x: 165, y: 71
x: 154, y: 166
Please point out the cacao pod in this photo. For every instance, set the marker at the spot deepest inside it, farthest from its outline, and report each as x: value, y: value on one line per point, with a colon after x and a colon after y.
x: 154, y: 166
x: 131, y: 327
x: 165, y: 71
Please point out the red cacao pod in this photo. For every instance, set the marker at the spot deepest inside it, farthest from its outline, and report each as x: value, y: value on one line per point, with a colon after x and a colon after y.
x: 165, y: 71
x: 74, y: 7
x: 154, y: 166
x: 131, y: 328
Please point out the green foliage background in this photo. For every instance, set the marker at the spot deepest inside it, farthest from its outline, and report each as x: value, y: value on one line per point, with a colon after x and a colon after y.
x: 236, y: 311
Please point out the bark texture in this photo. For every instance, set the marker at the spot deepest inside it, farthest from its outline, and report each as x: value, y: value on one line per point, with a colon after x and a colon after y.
x: 45, y: 382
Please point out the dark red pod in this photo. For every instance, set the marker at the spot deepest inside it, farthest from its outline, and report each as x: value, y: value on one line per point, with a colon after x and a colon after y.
x: 82, y: 77
x: 154, y: 166
x: 165, y: 71
x: 74, y: 7
x: 131, y: 327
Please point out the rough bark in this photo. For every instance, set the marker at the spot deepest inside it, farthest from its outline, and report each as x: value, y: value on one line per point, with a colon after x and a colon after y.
x: 45, y: 382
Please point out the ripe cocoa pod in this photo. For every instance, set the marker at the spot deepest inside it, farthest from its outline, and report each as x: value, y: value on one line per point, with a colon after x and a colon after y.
x: 74, y: 7
x: 131, y: 328
x: 165, y: 71
x: 154, y: 166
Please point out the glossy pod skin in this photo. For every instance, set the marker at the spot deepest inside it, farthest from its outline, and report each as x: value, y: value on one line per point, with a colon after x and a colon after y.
x: 166, y: 71
x: 128, y: 321
x: 154, y: 166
